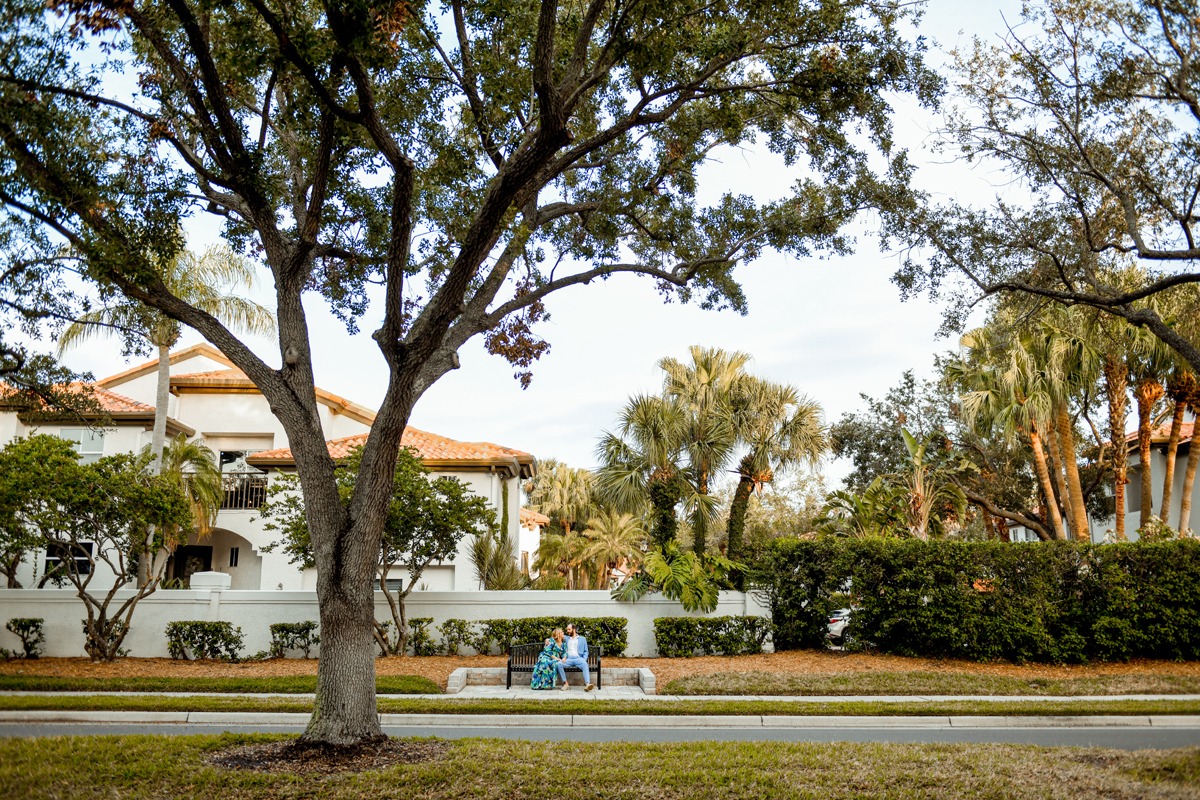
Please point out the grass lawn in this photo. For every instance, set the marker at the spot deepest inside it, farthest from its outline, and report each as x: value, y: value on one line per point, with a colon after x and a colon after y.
x: 400, y: 705
x: 276, y: 684
x: 927, y: 683
x: 134, y: 767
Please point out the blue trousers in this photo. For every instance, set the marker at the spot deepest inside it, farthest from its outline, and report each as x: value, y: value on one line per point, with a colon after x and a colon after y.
x: 573, y: 661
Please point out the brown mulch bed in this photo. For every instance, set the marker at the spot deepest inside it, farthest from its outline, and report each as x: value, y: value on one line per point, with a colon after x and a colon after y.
x: 299, y: 759
x: 438, y: 668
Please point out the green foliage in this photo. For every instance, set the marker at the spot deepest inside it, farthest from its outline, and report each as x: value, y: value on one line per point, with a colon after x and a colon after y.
x: 685, y: 637
x: 494, y: 556
x: 1050, y: 602
x: 203, y: 640
x: 31, y: 631
x: 419, y: 638
x: 694, y: 580
x: 287, y: 636
x: 457, y: 633
x: 608, y: 633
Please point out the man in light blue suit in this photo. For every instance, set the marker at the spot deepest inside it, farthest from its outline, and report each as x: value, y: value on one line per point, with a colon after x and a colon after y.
x: 577, y: 653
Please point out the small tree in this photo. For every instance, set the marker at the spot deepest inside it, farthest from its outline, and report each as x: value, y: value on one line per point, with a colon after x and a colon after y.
x: 426, y: 519
x: 85, y: 515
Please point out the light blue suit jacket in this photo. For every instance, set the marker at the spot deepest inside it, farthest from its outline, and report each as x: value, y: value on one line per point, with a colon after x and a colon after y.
x: 583, y: 650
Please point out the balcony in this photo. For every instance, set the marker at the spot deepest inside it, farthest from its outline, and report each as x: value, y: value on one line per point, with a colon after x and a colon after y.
x: 243, y: 490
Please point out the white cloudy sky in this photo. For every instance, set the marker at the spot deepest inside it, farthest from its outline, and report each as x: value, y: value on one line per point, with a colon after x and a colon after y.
x: 833, y: 328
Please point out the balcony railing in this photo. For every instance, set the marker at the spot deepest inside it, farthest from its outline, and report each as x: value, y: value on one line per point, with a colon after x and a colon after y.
x: 243, y: 490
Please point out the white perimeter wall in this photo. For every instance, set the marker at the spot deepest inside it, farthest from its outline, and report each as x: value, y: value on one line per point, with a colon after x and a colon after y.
x: 255, y: 611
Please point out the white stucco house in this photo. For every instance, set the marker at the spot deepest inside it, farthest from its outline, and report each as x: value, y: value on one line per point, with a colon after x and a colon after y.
x: 213, y: 402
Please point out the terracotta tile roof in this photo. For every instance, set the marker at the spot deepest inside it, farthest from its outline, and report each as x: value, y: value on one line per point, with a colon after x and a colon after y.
x: 203, y: 349
x: 1162, y: 434
x: 234, y: 378
x: 216, y: 377
x: 532, y: 519
x: 109, y: 402
x: 432, y: 449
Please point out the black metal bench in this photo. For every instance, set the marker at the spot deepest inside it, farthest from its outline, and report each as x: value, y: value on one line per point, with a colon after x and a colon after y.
x: 523, y: 657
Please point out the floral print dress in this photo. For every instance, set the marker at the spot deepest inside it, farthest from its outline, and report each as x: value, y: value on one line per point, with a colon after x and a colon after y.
x: 543, y: 671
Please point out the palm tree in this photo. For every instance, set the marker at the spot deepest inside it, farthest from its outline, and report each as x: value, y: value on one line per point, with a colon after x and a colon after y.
x: 928, y: 487
x: 561, y: 492
x: 198, y: 281
x: 781, y: 428
x: 193, y: 467
x: 613, y: 538
x: 705, y: 390
x: 642, y: 464
x: 1007, y: 389
x: 1181, y: 385
x: 876, y: 513
x: 1150, y: 360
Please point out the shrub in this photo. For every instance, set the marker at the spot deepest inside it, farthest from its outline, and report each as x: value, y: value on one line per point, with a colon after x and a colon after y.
x: 31, y: 632
x: 286, y: 636
x: 419, y: 637
x: 455, y: 634
x: 216, y: 641
x: 1048, y: 602
x: 730, y: 636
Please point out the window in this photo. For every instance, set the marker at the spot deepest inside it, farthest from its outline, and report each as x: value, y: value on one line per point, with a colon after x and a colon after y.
x: 89, y: 444
x: 245, y: 486
x: 233, y: 556
x: 59, y: 552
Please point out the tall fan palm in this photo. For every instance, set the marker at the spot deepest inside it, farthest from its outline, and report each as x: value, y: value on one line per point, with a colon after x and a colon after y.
x: 1009, y: 391
x: 561, y: 492
x: 706, y: 390
x: 200, y: 281
x: 781, y: 429
x: 643, y: 462
x: 613, y: 539
x: 1150, y: 361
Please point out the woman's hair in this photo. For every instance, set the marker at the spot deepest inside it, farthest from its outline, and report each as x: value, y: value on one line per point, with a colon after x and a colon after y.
x: 557, y: 632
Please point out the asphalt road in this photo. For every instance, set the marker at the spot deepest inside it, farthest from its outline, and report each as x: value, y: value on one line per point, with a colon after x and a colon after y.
x: 1123, y: 737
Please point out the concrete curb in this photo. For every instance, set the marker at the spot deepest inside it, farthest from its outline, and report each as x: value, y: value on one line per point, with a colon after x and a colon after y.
x: 658, y: 698
x: 606, y: 720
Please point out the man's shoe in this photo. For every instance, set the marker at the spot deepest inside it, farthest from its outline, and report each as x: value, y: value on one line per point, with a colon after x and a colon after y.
x: 589, y: 687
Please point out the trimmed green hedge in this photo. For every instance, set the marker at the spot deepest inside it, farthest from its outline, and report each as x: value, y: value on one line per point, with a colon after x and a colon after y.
x: 700, y: 636
x: 1051, y: 602
x: 201, y: 639
x: 607, y: 632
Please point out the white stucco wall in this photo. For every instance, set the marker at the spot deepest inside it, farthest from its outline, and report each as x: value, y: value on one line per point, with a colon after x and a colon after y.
x: 255, y: 611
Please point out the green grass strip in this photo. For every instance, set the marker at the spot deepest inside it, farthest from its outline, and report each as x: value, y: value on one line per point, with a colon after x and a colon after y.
x: 926, y: 683
x: 152, y: 767
x: 285, y: 684
x: 400, y: 705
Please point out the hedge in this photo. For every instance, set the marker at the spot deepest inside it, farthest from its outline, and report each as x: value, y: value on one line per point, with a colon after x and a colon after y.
x: 608, y: 633
x: 1049, y: 602
x: 217, y: 641
x: 692, y: 636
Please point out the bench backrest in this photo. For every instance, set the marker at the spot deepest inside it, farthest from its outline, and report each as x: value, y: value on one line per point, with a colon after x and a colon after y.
x: 526, y: 655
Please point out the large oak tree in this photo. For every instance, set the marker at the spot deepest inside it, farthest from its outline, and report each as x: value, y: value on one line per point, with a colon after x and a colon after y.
x: 437, y: 168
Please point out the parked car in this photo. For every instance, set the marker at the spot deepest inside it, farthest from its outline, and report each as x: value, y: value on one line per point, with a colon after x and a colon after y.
x: 837, y: 626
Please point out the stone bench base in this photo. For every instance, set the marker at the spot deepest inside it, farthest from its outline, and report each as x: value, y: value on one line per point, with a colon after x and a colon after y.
x: 494, y: 676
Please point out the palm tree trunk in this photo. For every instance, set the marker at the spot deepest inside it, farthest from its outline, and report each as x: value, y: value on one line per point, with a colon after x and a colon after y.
x: 1116, y: 383
x: 1066, y: 437
x: 1189, y: 480
x: 1172, y: 450
x: 1146, y: 393
x: 1057, y: 470
x: 1043, y: 473
x: 737, y: 516
x: 158, y: 441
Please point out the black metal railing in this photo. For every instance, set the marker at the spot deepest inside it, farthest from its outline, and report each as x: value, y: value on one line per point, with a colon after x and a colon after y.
x: 243, y: 490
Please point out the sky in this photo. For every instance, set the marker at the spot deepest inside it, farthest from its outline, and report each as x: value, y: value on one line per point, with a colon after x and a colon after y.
x: 834, y: 327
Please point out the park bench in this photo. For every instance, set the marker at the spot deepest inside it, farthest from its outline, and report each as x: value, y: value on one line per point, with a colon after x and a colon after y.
x: 523, y: 657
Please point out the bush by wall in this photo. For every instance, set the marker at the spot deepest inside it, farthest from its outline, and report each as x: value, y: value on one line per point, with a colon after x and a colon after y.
x: 607, y: 632
x: 288, y: 636
x: 419, y: 638
x: 700, y: 636
x: 199, y: 639
x: 1052, y: 602
x: 31, y: 631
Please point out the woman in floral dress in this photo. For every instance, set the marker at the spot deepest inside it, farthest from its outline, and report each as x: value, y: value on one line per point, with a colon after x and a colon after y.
x: 543, y: 670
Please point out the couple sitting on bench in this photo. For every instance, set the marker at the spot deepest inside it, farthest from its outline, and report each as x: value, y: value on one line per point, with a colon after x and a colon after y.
x: 557, y: 655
